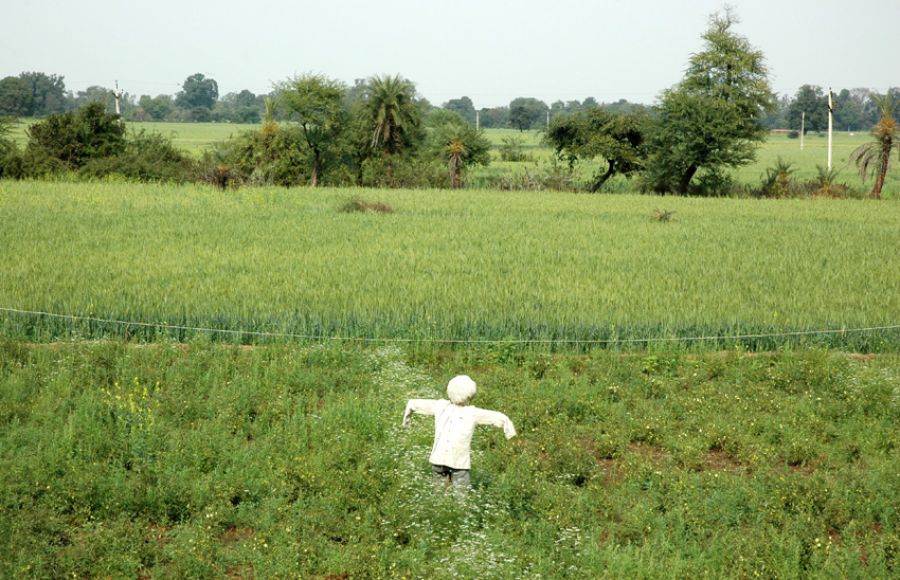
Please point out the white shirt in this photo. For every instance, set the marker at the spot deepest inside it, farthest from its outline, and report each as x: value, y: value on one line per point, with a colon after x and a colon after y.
x: 454, y: 426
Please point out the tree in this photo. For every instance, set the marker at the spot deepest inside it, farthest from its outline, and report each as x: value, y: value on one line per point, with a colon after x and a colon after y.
x: 877, y: 154
x: 811, y: 100
x: 618, y: 138
x: 14, y: 97
x: 315, y: 103
x: 713, y: 118
x: 495, y: 117
x: 524, y: 112
x: 464, y: 107
x: 158, y: 107
x: 198, y: 96
x: 460, y: 144
x: 72, y: 139
x: 47, y: 94
x: 393, y: 116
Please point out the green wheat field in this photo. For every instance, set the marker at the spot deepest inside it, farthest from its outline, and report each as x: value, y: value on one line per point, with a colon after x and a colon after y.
x: 207, y: 384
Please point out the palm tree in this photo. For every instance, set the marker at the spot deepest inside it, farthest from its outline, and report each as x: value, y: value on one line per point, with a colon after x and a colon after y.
x: 877, y: 154
x: 393, y: 116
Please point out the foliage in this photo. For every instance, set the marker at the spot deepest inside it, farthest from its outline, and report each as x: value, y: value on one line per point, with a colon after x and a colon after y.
x: 157, y: 108
x: 460, y: 145
x: 464, y: 107
x: 199, y: 460
x: 712, y: 119
x: 618, y: 138
x: 777, y: 182
x: 512, y: 149
x: 315, y: 104
x: 15, y: 97
x: 198, y: 96
x: 10, y: 160
x: 526, y: 113
x: 146, y: 157
x: 69, y: 140
x: 271, y: 156
x: 46, y: 94
x: 812, y: 101
x: 359, y: 205
x: 392, y: 114
x: 877, y: 154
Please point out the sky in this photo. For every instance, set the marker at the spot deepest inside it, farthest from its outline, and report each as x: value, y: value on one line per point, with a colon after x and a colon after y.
x: 491, y: 51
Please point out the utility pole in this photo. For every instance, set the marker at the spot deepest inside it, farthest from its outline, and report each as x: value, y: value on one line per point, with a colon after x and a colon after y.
x: 548, y: 118
x: 830, y: 115
x: 477, y: 120
x: 802, y: 127
x: 118, y: 95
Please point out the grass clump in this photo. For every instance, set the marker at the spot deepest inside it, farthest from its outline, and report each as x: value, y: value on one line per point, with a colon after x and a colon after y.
x: 359, y: 205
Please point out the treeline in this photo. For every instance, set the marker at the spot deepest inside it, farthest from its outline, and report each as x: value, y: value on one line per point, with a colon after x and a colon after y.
x: 854, y: 109
x: 36, y: 94
x: 376, y: 133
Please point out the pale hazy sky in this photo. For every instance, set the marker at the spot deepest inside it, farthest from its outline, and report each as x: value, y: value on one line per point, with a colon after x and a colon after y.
x: 491, y: 51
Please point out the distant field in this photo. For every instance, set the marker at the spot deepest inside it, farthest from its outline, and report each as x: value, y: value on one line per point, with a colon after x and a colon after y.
x: 195, y: 137
x: 463, y: 265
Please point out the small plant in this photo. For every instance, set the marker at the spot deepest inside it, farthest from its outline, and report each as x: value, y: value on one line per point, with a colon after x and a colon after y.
x: 221, y: 176
x: 662, y: 215
x: 825, y: 183
x: 511, y: 150
x: 357, y: 205
x: 777, y: 182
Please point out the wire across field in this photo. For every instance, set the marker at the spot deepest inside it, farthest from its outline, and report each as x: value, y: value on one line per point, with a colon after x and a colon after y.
x: 465, y: 265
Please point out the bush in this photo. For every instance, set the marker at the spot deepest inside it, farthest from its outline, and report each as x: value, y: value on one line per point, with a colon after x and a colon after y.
x: 511, y: 150
x: 272, y: 157
x: 358, y: 205
x: 410, y: 172
x: 147, y: 157
x: 70, y: 140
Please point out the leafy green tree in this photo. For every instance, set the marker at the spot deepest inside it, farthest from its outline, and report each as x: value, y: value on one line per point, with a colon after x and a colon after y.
x: 10, y: 161
x: 847, y: 113
x: 810, y: 99
x: 713, y: 118
x: 158, y: 107
x: 315, y: 104
x: 14, y: 97
x: 495, y: 117
x: 394, y: 118
x: 525, y: 113
x: 198, y: 96
x: 618, y: 138
x: 69, y: 140
x: 460, y: 145
x: 464, y: 107
x: 47, y: 94
x: 876, y: 155
x: 242, y: 107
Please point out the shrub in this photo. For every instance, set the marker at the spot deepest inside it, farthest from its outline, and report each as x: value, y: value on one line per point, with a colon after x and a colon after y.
x: 146, y: 157
x: 70, y: 140
x: 357, y: 205
x: 511, y: 150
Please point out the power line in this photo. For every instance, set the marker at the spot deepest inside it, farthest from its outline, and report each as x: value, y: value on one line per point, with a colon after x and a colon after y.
x: 166, y: 326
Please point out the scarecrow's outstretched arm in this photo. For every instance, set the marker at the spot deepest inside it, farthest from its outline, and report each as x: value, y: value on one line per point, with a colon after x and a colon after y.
x: 420, y: 406
x: 497, y: 419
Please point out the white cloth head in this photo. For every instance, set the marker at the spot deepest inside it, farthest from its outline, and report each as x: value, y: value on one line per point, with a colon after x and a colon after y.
x: 461, y: 390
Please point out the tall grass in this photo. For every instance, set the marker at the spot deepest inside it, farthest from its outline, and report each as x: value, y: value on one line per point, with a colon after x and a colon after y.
x: 205, y: 461
x: 465, y: 265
